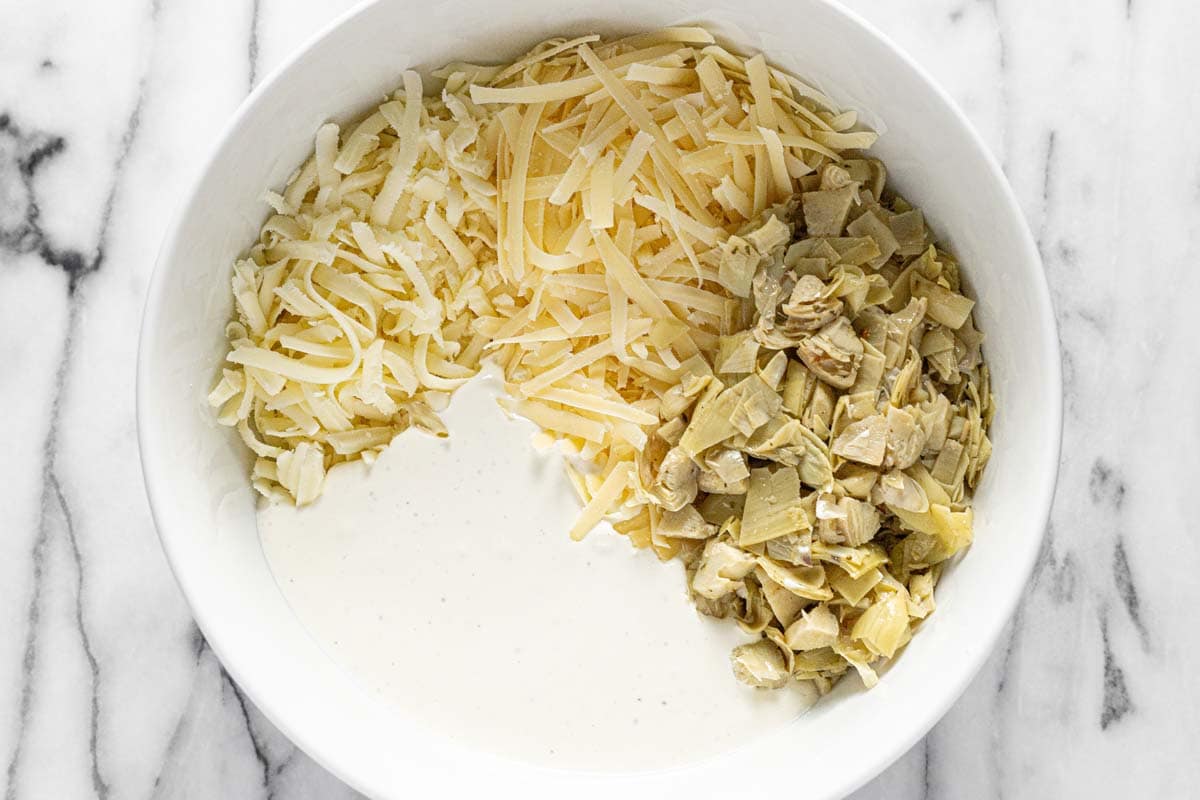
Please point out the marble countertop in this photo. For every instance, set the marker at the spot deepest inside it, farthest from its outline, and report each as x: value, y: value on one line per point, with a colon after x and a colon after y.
x: 107, y: 689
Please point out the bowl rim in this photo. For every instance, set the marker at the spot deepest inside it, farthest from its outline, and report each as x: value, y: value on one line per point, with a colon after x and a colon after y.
x: 879, y: 761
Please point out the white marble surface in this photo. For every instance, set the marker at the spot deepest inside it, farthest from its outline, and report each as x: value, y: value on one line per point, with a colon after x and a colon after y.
x: 108, y: 691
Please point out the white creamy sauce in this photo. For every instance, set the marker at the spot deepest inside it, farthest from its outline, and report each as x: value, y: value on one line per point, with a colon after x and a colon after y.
x: 443, y: 579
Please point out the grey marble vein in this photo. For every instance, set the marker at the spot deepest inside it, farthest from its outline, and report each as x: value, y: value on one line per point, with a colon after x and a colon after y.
x: 1117, y: 703
x: 28, y: 236
x: 252, y: 51
x: 1123, y: 577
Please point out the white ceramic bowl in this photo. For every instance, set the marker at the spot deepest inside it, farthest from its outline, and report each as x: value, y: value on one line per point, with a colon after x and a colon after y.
x: 195, y: 471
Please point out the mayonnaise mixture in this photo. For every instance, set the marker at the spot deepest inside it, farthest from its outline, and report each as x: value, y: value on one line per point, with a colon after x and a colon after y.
x: 443, y: 579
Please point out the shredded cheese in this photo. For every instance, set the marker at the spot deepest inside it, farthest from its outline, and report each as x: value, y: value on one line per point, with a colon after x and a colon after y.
x: 563, y: 216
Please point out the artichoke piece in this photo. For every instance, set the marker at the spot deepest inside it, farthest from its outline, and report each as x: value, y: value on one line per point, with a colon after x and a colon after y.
x: 770, y: 237
x: 869, y: 225
x: 905, y: 439
x: 773, y: 506
x: 945, y: 305
x: 838, y: 176
x: 724, y: 472
x: 812, y: 305
x: 937, y: 340
x: 854, y: 250
x: 728, y: 465
x: 773, y: 337
x: 737, y: 353
x: 682, y: 396
x: 903, y: 325
x: 738, y: 261
x: 939, y: 348
x: 883, y: 627
x: 712, y: 484
x: 670, y: 432
x: 785, y: 605
x: 818, y: 416
x: 861, y: 522
x: 754, y: 404
x: 805, y: 265
x: 816, y: 628
x: 952, y: 458
x: 856, y: 561
x: 851, y: 522
x: 825, y: 211
x: 968, y: 342
x: 862, y: 171
x: 755, y: 614
x: 905, y: 381
x: 798, y: 385
x: 773, y: 371
x: 935, y: 421
x: 913, y: 552
x: 901, y: 491
x: 864, y: 441
x: 870, y: 370
x: 760, y: 664
x: 833, y: 354
x: 853, y: 288
x: 686, y: 523
x: 933, y: 489
x: 815, y: 249
x: 854, y: 589
x: 710, y: 423
x: 724, y: 606
x: 920, y: 595
x: 951, y: 530
x: 767, y: 289
x: 788, y: 441
x: 721, y: 569
x: 720, y: 508
x: 793, y: 548
x: 856, y: 480
x: 872, y: 327
x: 908, y: 228
x: 676, y: 484
x: 811, y: 664
x: 859, y: 657
x: 878, y: 177
x: 806, y: 582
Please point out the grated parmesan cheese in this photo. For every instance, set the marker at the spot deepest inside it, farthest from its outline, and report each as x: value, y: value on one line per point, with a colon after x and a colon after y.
x: 563, y: 216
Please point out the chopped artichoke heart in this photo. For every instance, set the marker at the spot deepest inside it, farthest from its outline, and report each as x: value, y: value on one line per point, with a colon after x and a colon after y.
x: 722, y: 567
x: 686, y: 523
x: 807, y: 582
x: 825, y: 211
x: 814, y: 629
x: 773, y: 506
x: 950, y: 529
x: 864, y: 441
x: 676, y: 484
x: 883, y: 627
x: 738, y: 353
x: 945, y: 306
x: 858, y: 656
x: 738, y: 261
x: 785, y: 605
x: 854, y: 589
x: 760, y: 664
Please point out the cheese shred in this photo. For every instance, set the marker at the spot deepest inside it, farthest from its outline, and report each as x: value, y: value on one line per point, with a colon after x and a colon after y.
x: 564, y: 216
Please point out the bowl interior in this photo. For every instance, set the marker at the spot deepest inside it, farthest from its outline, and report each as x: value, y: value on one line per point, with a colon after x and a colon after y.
x: 196, y: 470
